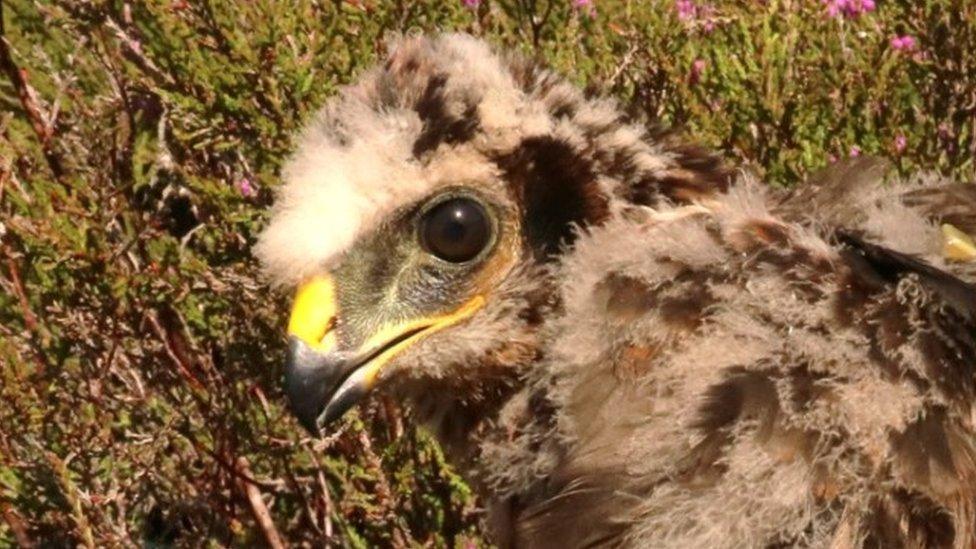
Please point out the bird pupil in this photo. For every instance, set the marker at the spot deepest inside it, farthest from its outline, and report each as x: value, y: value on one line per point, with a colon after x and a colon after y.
x: 456, y: 230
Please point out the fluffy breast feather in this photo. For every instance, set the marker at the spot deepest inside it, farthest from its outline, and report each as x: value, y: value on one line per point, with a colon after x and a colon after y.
x: 734, y: 374
x: 724, y: 366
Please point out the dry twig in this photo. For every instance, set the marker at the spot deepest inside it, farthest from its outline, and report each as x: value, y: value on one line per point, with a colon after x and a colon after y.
x: 16, y: 525
x: 42, y: 122
x: 261, y: 513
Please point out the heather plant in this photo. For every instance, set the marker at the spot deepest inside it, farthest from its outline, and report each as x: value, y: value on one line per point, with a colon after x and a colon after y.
x: 140, y: 145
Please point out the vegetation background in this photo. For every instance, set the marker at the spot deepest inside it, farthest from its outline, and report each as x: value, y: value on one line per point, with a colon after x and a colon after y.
x: 140, y: 143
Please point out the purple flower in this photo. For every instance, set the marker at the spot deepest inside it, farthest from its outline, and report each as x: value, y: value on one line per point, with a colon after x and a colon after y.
x: 585, y: 6
x: 855, y: 151
x: 246, y: 187
x: 686, y: 9
x: 693, y: 13
x: 903, y: 43
x: 848, y: 8
x: 901, y: 143
x: 472, y: 4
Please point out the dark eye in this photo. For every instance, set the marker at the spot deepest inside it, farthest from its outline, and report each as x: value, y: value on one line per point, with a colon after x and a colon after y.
x: 455, y: 230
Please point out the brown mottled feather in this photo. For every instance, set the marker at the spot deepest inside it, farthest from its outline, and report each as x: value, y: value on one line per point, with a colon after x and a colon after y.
x: 953, y: 203
x: 678, y: 359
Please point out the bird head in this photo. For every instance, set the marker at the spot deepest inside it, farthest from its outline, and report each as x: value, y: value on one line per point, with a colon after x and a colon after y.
x: 422, y: 214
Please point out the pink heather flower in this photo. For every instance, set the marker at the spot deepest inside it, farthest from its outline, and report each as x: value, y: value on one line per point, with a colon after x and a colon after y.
x: 692, y: 12
x: 855, y: 151
x: 246, y: 187
x: 848, y: 8
x: 901, y: 143
x: 473, y: 4
x: 903, y: 43
x: 686, y: 9
x: 697, y: 68
x: 585, y: 6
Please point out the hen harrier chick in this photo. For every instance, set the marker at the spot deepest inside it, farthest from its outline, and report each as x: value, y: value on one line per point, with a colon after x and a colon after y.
x: 617, y: 342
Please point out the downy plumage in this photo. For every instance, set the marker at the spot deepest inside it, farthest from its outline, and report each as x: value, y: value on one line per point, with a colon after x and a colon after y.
x: 648, y: 349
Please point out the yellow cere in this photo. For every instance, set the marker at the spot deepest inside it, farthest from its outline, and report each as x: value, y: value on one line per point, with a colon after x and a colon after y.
x: 957, y: 245
x: 313, y: 314
x: 432, y: 324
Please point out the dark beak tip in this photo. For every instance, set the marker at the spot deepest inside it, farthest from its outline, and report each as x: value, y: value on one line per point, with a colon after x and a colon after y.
x: 310, y: 425
x: 306, y: 384
x: 305, y: 409
x: 313, y: 383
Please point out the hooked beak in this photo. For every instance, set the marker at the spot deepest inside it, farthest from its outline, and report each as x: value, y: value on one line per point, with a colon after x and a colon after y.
x: 319, y: 386
x: 322, y: 380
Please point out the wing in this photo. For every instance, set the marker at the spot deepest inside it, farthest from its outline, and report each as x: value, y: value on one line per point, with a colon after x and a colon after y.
x: 852, y: 195
x: 951, y: 203
x: 920, y: 323
x: 745, y: 378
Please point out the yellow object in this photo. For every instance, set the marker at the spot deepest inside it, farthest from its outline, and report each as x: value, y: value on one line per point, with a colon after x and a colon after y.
x: 957, y: 245
x: 313, y: 317
x: 422, y: 328
x: 313, y: 314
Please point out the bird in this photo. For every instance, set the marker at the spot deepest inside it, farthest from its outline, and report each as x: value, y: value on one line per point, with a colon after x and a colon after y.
x: 618, y: 339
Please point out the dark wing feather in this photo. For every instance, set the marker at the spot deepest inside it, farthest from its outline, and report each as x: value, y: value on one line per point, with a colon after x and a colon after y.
x: 905, y: 477
x: 582, y: 510
x: 955, y: 297
x: 950, y: 203
x: 838, y: 194
x: 933, y: 459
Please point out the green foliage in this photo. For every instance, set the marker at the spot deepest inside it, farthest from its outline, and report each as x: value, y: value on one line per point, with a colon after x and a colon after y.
x: 139, y: 354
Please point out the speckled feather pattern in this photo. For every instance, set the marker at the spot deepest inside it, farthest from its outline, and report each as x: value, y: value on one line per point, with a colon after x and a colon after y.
x: 697, y: 360
x: 753, y: 390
